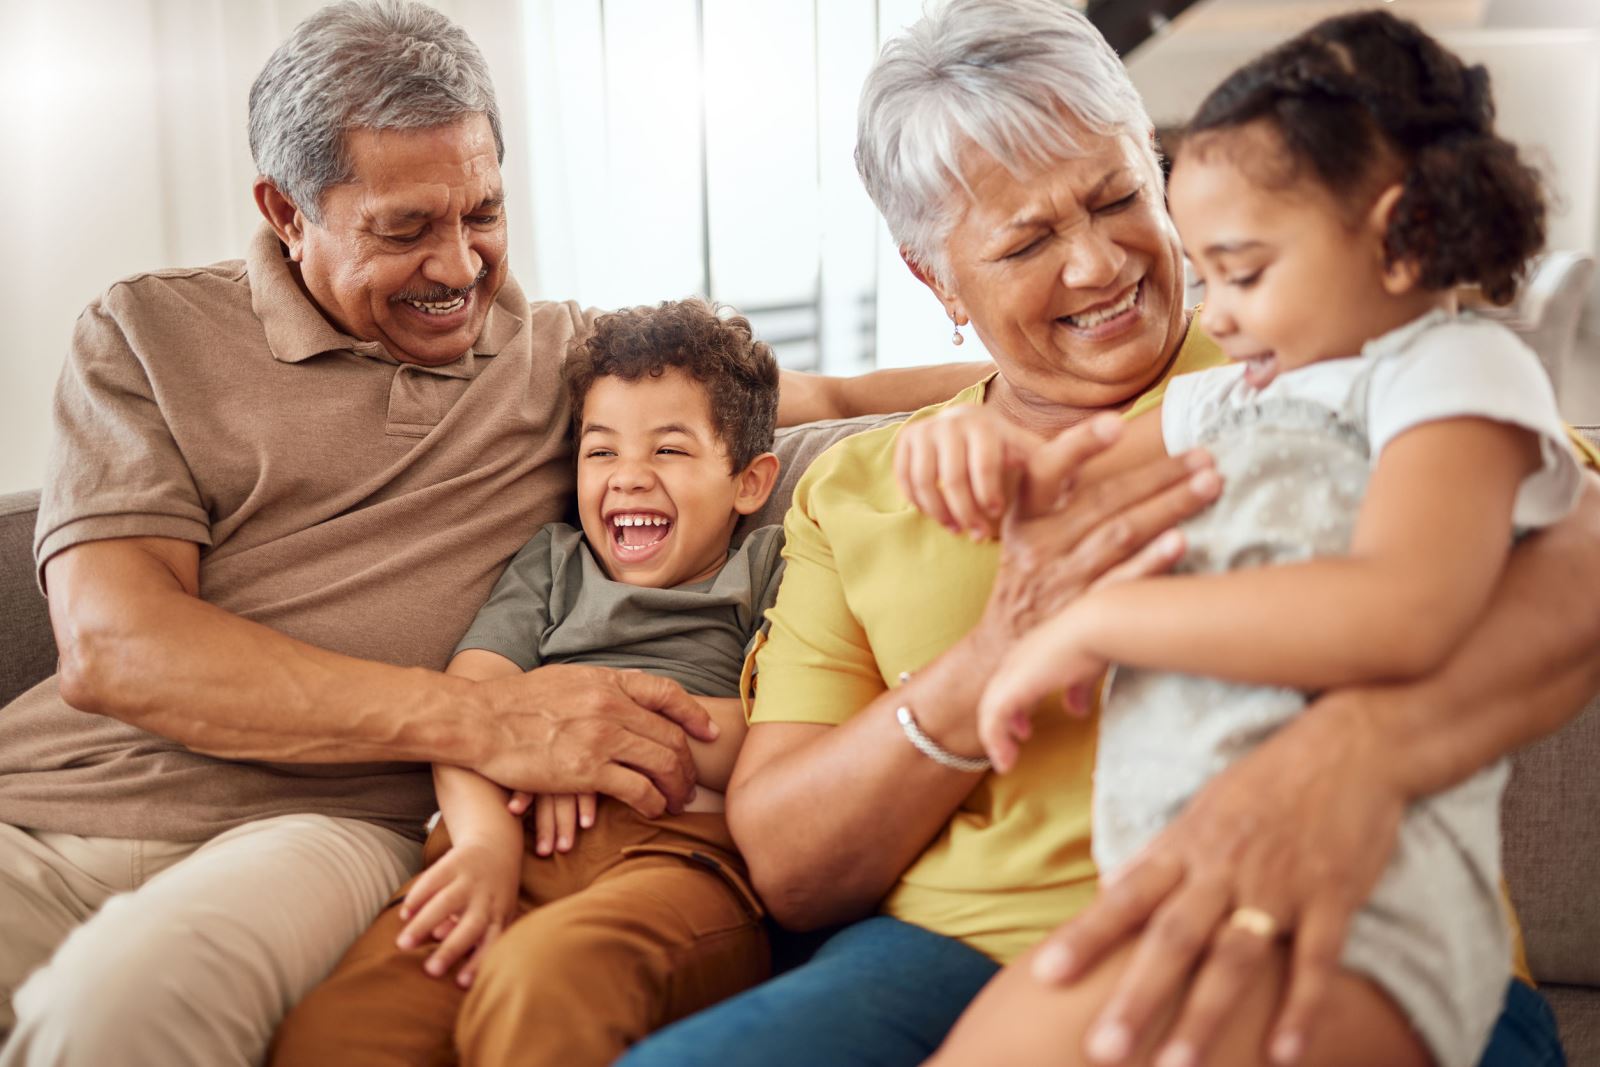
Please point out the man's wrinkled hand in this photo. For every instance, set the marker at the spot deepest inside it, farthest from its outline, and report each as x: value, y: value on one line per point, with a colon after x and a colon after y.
x: 567, y: 729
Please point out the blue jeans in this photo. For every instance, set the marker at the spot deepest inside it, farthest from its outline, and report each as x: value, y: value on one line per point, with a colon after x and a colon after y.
x: 882, y: 993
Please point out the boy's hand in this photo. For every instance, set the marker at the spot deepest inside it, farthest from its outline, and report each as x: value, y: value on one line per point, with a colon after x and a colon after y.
x: 557, y: 819
x: 959, y: 467
x: 1051, y: 657
x: 463, y: 901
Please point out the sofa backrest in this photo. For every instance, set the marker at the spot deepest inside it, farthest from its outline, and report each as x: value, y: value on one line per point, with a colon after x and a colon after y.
x: 27, y: 647
x: 1551, y: 835
x: 796, y: 447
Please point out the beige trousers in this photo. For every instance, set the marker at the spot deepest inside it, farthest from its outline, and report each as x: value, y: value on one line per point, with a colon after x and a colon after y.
x: 167, y: 953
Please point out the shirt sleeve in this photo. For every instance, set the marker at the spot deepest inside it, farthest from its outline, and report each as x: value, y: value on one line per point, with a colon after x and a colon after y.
x: 516, y: 616
x: 1480, y: 369
x: 115, y: 469
x: 816, y: 665
x: 1192, y: 401
x: 769, y: 570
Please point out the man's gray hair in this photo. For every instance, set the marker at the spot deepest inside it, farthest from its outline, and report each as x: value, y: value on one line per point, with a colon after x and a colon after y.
x: 1008, y: 76
x: 377, y: 64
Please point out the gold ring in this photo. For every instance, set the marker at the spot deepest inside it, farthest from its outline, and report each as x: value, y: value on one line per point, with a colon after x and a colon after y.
x: 1255, y: 921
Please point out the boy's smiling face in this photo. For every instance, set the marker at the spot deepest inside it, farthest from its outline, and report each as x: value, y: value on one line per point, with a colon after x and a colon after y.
x: 656, y: 497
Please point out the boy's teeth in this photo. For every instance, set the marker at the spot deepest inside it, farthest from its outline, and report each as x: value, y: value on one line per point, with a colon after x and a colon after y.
x: 1095, y: 318
x: 639, y: 520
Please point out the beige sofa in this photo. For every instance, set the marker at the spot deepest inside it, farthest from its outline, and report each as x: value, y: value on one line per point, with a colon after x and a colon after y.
x: 1552, y: 828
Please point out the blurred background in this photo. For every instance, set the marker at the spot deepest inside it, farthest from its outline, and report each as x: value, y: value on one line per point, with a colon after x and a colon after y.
x: 656, y: 148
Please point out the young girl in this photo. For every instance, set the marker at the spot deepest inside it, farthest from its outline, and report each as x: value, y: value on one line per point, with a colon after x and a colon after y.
x: 1378, y: 447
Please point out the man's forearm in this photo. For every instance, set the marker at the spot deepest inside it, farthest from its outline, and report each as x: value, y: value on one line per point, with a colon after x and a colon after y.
x: 811, y: 397
x: 138, y: 648
x: 1527, y: 669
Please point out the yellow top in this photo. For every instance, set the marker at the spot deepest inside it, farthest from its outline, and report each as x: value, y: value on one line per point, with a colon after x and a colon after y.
x: 874, y: 588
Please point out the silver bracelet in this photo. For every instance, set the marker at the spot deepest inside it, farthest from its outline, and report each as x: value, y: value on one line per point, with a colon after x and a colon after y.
x: 931, y: 748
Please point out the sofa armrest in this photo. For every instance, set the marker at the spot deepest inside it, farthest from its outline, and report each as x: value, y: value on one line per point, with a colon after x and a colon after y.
x: 27, y: 646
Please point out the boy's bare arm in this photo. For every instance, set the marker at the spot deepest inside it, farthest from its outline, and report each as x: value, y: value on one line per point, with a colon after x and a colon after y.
x: 713, y: 760
x: 473, y: 807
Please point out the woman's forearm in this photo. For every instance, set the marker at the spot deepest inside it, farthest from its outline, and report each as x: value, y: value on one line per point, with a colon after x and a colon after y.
x: 883, y: 800
x: 1523, y: 672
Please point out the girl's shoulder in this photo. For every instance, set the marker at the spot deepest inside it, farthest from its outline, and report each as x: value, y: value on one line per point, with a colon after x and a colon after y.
x: 1463, y: 335
x: 1192, y: 401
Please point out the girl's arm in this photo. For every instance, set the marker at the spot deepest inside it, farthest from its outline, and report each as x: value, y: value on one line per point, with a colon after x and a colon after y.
x: 1431, y: 541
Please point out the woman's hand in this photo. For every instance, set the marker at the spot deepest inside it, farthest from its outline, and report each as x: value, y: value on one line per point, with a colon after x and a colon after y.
x: 463, y: 901
x: 1300, y: 829
x: 959, y: 467
x: 1059, y: 540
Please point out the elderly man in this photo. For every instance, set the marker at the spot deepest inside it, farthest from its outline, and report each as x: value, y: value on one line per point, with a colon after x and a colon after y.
x: 281, y: 488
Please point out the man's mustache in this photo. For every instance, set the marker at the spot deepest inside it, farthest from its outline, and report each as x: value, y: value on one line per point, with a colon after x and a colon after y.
x: 440, y: 294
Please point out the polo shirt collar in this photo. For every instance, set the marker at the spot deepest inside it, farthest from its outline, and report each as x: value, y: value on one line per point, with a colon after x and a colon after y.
x: 296, y: 330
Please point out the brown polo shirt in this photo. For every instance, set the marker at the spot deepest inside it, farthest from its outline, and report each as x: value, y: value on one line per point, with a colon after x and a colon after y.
x: 338, y: 496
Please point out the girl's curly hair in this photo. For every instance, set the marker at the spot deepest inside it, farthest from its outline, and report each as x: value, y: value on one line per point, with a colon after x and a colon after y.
x: 1370, y: 97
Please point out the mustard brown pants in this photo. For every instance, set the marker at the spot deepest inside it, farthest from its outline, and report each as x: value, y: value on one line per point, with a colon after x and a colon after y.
x: 642, y: 923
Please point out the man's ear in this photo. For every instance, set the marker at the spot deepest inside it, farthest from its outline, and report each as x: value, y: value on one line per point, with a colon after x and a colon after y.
x: 1399, y: 276
x: 281, y: 214
x: 952, y: 305
x: 754, y: 484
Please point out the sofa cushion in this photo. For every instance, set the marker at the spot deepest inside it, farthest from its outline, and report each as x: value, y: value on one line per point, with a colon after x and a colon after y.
x: 1552, y: 846
x: 1578, y: 1018
x: 29, y: 653
x: 1552, y: 851
x: 796, y: 447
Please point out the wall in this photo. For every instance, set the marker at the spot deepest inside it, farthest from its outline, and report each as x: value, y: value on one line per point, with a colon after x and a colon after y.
x: 124, y: 151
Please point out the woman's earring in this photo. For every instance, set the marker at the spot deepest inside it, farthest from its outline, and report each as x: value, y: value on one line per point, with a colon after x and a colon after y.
x: 958, y: 340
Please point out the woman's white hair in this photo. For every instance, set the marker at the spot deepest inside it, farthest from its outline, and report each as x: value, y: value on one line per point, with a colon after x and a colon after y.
x: 378, y: 64
x: 1019, y: 79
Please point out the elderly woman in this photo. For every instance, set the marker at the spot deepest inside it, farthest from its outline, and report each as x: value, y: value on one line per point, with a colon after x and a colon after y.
x: 1013, y: 162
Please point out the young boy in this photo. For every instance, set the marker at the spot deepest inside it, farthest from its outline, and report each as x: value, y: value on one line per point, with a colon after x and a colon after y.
x: 580, y: 941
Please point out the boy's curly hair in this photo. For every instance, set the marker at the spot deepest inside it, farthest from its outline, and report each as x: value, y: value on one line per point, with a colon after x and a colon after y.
x: 1368, y: 98
x: 739, y: 373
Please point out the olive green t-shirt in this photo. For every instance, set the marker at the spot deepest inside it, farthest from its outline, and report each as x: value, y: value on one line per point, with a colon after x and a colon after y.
x: 555, y: 604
